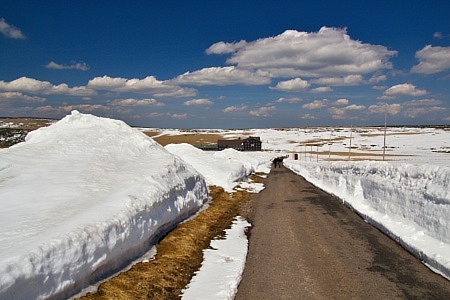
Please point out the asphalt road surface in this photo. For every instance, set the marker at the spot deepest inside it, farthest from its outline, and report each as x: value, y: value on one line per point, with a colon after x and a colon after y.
x: 305, y: 244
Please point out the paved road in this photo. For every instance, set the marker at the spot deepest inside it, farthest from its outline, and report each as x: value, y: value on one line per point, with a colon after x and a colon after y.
x: 304, y: 244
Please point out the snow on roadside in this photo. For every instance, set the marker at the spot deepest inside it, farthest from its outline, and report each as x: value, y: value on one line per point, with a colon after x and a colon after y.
x: 223, y: 168
x: 81, y: 198
x: 111, y: 187
x: 409, y: 203
x: 222, y: 267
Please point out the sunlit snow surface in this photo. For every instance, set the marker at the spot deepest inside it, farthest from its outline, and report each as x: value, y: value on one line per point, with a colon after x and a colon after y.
x: 83, y: 197
x: 409, y: 203
x: 220, y: 274
x: 88, y: 194
x: 407, y: 196
x: 225, y: 168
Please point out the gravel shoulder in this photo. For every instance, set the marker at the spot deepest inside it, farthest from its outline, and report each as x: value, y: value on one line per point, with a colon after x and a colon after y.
x: 305, y: 244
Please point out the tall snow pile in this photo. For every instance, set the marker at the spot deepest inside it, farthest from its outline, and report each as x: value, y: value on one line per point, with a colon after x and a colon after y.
x: 82, y: 198
x: 225, y: 168
x: 410, y: 203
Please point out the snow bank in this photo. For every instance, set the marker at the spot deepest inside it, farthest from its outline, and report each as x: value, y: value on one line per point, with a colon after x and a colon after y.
x: 253, y: 161
x: 410, y: 203
x: 224, y: 168
x: 227, y: 255
x: 80, y: 199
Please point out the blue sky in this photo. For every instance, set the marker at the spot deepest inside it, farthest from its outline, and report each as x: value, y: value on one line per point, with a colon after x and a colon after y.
x: 228, y: 64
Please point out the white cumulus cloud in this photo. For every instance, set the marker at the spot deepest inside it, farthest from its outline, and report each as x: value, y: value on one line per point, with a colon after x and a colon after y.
x: 382, y: 107
x: 414, y: 112
x: 377, y: 79
x: 296, y: 84
x: 10, y: 30
x: 355, y: 107
x: 155, y: 115
x: 224, y: 48
x: 234, y: 108
x: 263, y: 111
x: 341, y: 113
x: 288, y: 100
x: 197, y: 102
x: 405, y: 89
x: 432, y: 60
x: 33, y: 86
x: 147, y: 85
x: 316, y: 104
x: 136, y: 102
x: 308, y: 117
x: 17, y: 96
x: 59, y: 111
x: 337, y: 113
x: 178, y: 116
x: 341, y: 101
x: 329, y: 52
x: 321, y: 89
x: 74, y: 66
x: 222, y: 76
x: 340, y: 81
x: 423, y: 102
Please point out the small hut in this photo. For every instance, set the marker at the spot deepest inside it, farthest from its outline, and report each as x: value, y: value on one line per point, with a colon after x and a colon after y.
x: 252, y: 143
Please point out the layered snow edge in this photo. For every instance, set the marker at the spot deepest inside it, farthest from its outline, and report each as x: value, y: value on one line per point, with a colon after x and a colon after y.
x: 226, y: 168
x: 103, y: 193
x: 409, y: 203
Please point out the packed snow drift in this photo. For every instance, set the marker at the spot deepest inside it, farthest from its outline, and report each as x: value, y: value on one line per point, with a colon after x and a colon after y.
x: 86, y: 195
x: 226, y: 168
x: 409, y: 203
x: 80, y: 199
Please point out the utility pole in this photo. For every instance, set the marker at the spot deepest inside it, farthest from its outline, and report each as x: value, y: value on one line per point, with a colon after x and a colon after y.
x: 385, y: 125
x: 317, y: 153
x: 305, y: 152
x: 350, y: 147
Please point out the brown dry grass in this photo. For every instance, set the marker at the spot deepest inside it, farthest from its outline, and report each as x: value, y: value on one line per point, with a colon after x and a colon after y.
x: 321, y: 141
x: 180, y: 253
x: 28, y: 123
x: 193, y: 139
x: 152, y: 133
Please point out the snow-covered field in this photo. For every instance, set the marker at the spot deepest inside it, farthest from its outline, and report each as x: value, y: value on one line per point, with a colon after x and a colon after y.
x: 86, y: 195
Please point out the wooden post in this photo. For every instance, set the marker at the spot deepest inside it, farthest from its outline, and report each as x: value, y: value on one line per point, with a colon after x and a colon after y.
x: 317, y: 152
x: 305, y: 152
x: 350, y: 147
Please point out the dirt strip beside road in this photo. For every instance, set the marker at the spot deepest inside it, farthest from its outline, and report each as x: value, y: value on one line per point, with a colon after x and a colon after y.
x: 305, y: 244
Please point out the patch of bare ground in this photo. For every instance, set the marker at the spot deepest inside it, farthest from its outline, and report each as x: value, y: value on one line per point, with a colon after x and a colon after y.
x: 322, y: 141
x: 193, y: 139
x: 27, y: 123
x: 179, y: 253
x: 152, y: 133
